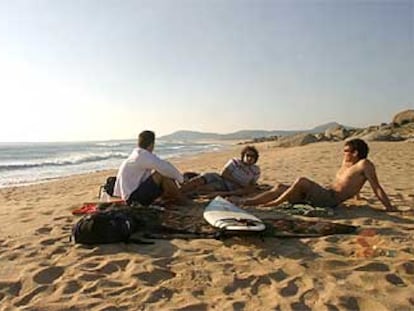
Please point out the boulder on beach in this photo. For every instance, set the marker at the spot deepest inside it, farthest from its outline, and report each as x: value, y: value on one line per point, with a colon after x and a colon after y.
x: 337, y: 133
x: 382, y: 135
x: 403, y: 117
x: 296, y: 140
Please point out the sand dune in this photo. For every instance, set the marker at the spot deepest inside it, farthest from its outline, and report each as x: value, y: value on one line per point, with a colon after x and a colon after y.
x: 372, y: 270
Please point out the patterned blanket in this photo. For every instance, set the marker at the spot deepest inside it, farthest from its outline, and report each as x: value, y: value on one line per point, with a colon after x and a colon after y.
x: 188, y: 222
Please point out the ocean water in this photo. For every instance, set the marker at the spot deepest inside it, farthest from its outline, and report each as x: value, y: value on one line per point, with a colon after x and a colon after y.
x: 27, y: 163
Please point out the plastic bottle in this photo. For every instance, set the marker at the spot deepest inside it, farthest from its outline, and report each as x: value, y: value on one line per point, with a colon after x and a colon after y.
x: 105, y: 197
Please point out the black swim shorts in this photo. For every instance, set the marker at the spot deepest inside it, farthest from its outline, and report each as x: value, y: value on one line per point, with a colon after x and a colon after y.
x: 146, y: 193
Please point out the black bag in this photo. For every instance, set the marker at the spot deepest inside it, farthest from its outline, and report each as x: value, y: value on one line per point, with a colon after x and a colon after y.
x: 104, y: 227
x: 108, y: 187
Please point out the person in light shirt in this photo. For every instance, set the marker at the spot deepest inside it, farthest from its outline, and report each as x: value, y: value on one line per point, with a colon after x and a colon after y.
x: 143, y: 177
x: 239, y: 176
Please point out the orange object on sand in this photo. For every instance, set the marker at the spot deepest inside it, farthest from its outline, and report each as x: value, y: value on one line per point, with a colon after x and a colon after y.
x: 87, y: 208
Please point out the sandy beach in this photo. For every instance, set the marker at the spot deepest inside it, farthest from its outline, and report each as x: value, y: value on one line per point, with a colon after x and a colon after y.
x: 41, y: 270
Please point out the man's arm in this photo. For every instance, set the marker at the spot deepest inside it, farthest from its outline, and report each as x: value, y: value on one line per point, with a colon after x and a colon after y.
x: 163, y: 167
x: 227, y: 174
x: 371, y: 175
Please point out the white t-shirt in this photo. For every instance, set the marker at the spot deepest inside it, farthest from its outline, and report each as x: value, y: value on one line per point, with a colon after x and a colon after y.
x: 138, y: 167
x: 243, y: 173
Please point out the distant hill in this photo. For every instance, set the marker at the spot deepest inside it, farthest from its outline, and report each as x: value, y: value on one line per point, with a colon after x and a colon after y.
x: 191, y: 136
x: 243, y: 134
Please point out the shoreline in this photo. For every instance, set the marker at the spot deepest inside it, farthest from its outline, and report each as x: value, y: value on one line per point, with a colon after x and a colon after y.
x: 223, y: 147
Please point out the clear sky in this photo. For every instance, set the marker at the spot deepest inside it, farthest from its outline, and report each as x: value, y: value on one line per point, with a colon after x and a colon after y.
x: 100, y: 69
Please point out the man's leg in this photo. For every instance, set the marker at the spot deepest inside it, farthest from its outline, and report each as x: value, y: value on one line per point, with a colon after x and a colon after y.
x: 170, y: 189
x: 193, y: 184
x: 296, y: 193
x: 204, y: 184
x: 266, y: 196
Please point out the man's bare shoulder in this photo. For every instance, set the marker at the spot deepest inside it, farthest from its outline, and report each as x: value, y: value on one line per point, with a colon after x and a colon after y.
x: 366, y: 166
x: 365, y: 163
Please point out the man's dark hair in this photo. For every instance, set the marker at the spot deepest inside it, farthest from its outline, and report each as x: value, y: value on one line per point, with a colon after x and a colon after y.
x: 360, y: 146
x: 250, y: 149
x: 145, y: 139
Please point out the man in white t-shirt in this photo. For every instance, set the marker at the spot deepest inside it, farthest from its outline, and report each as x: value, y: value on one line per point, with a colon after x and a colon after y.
x: 143, y: 177
x: 239, y: 176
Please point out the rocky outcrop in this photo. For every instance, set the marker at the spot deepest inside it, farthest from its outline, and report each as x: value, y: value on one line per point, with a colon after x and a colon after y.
x: 382, y: 135
x: 402, y: 128
x: 296, y: 140
x: 337, y: 133
x: 404, y: 117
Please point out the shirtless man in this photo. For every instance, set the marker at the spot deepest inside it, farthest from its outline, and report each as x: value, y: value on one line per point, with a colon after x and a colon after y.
x: 356, y: 169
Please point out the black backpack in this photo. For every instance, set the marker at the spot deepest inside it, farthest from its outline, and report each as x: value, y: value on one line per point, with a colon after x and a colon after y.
x: 104, y: 227
x: 108, y: 187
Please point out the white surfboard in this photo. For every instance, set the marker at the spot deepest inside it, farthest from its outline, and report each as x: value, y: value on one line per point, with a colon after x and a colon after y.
x: 223, y: 214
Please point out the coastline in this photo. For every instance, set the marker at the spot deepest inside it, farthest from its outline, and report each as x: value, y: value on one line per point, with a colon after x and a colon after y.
x: 40, y: 269
x: 22, y: 165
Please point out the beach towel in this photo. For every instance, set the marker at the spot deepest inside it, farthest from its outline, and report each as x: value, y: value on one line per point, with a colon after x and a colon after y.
x: 156, y: 222
x: 304, y: 228
x: 305, y: 210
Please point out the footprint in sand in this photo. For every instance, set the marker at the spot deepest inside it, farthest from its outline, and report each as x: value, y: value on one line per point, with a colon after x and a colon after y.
x: 238, y: 284
x: 160, y: 294
x: 12, y: 288
x: 19, y: 247
x: 61, y: 218
x: 261, y: 280
x: 26, y: 220
x: 43, y: 230
x: 109, y: 268
x: 71, y: 287
x: 331, y: 307
x: 198, y: 292
x: 395, y: 280
x: 58, y: 251
x: 310, y: 297
x: 32, y: 254
x: 290, y: 290
x: 349, y: 303
x: 49, y: 242
x: 239, y: 305
x: 198, y: 307
x: 155, y: 277
x: 88, y: 277
x: 336, y: 251
x: 48, y: 275
x: 111, y: 284
x: 163, y: 262
x: 374, y: 267
x: 299, y: 306
x: 28, y: 297
x: 47, y: 213
x: 408, y: 267
x: 279, y: 275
